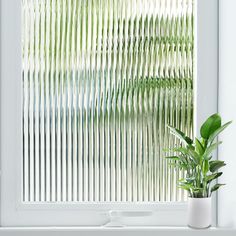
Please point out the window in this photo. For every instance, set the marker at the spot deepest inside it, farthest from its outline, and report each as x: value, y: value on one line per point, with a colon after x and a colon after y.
x: 95, y: 84
x: 102, y: 79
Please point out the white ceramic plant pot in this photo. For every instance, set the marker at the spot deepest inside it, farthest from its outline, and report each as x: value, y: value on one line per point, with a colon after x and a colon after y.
x: 199, y: 212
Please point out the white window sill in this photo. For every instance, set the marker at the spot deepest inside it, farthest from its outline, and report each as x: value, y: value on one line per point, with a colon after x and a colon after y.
x: 110, y: 231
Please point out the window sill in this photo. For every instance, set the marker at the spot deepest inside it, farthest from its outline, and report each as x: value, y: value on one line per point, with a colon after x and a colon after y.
x: 103, y: 231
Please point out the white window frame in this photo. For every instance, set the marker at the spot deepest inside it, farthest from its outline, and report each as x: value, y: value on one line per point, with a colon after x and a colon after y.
x: 16, y: 213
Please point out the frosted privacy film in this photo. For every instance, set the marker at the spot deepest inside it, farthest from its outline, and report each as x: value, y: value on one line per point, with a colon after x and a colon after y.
x: 101, y: 79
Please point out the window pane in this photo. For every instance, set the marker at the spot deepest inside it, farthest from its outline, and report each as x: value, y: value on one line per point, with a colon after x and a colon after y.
x: 101, y: 80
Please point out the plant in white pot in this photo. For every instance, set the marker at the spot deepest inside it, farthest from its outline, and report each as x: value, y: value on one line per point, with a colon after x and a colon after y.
x: 201, y: 171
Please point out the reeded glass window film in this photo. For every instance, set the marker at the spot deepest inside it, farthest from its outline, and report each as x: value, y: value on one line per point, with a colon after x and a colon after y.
x: 101, y: 80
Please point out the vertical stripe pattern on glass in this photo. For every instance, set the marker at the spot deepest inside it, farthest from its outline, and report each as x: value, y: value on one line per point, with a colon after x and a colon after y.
x: 101, y: 80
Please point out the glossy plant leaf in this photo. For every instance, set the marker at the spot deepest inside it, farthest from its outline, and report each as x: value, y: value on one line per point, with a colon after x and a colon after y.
x: 209, y: 178
x: 216, y: 165
x: 210, y: 126
x: 210, y: 149
x: 216, y: 187
x: 218, y: 131
x: 179, y: 134
x: 199, y: 147
x: 205, y: 167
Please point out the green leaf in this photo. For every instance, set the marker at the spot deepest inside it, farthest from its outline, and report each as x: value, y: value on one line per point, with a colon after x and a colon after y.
x: 179, y: 134
x: 190, y: 179
x: 210, y: 126
x: 209, y: 178
x: 182, y: 180
x: 216, y: 187
x: 195, y: 156
x: 196, y: 189
x: 176, y: 158
x: 185, y: 186
x: 179, y: 165
x: 205, y: 166
x: 216, y: 165
x: 199, y: 148
x: 182, y: 150
x: 218, y: 131
x: 210, y: 149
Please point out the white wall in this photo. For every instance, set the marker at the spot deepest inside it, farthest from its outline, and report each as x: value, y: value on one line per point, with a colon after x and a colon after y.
x: 227, y: 108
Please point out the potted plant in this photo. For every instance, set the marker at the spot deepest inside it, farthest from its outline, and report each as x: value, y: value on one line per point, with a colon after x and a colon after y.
x: 201, y: 171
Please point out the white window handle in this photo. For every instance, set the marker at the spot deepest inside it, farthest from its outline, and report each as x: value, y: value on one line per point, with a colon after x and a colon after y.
x: 117, y: 218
